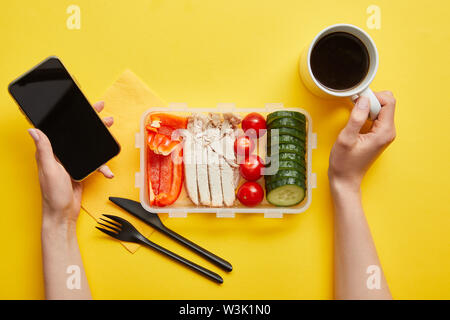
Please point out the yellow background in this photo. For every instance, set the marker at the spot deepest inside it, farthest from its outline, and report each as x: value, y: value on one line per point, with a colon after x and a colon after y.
x: 203, y: 52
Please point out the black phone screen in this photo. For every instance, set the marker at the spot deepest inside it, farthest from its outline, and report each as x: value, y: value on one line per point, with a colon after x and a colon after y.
x: 54, y: 104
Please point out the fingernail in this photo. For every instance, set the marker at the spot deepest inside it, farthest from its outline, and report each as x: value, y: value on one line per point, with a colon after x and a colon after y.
x: 33, y: 133
x: 108, y: 172
x: 363, y: 103
x: 107, y: 119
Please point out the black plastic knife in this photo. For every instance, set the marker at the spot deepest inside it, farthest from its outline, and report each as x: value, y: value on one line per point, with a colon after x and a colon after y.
x: 152, y: 219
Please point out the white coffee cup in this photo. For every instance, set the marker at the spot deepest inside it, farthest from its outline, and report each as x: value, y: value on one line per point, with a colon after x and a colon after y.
x: 362, y: 89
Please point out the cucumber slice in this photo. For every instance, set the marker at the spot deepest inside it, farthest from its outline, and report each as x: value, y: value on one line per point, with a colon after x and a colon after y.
x: 297, y: 133
x: 285, y: 181
x: 285, y: 193
x: 281, y: 139
x: 289, y: 164
x: 285, y: 114
x: 287, y: 123
x: 282, y: 174
x: 286, y: 148
x: 285, y: 164
x: 300, y: 159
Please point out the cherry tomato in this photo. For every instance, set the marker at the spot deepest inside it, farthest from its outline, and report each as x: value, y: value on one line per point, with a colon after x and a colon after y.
x: 244, y: 146
x: 256, y: 122
x: 251, y: 168
x: 250, y: 194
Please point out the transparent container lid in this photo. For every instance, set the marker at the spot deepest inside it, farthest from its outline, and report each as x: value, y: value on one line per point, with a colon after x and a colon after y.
x: 183, y: 205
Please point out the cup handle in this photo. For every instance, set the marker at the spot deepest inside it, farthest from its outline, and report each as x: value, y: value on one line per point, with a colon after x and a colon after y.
x: 375, y: 106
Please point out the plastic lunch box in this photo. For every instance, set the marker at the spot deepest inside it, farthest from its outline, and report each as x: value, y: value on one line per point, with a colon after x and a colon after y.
x: 183, y: 205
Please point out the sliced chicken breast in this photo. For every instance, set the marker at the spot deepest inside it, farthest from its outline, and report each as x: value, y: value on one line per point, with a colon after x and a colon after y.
x: 214, y: 143
x: 228, y: 187
x: 211, y: 171
x: 228, y: 165
x: 201, y: 152
x: 189, y: 161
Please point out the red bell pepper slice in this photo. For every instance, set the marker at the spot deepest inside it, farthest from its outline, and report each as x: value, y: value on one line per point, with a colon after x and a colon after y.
x: 167, y: 198
x: 165, y: 160
x: 160, y: 143
x: 166, y: 131
x: 167, y: 146
x: 157, y: 139
x: 153, y: 169
x: 168, y: 120
x: 165, y: 174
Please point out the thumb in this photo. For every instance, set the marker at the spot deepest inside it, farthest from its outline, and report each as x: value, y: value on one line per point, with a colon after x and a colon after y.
x: 44, y: 151
x: 358, y: 117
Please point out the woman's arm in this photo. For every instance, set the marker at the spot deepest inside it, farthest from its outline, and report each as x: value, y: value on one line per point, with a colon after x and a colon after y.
x: 358, y: 272
x: 64, y: 275
x: 356, y: 263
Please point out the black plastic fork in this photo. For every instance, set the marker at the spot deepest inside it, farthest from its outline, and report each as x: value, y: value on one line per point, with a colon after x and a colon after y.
x: 121, y: 229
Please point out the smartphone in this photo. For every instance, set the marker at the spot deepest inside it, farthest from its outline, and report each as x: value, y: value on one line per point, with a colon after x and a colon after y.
x: 53, y: 103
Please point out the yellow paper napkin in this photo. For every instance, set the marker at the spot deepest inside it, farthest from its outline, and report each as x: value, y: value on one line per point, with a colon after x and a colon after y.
x: 126, y: 100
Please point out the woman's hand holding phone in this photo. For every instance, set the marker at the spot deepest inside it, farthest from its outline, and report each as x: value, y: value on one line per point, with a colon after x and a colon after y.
x: 61, y: 204
x: 61, y: 196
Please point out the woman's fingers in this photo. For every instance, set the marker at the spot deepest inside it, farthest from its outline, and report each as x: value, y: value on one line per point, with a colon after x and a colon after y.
x: 358, y: 117
x: 108, y: 121
x: 44, y: 151
x: 384, y: 125
x: 106, y: 171
x: 387, y: 111
x: 98, y: 106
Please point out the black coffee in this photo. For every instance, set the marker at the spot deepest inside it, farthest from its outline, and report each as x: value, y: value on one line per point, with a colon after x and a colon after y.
x: 339, y: 61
